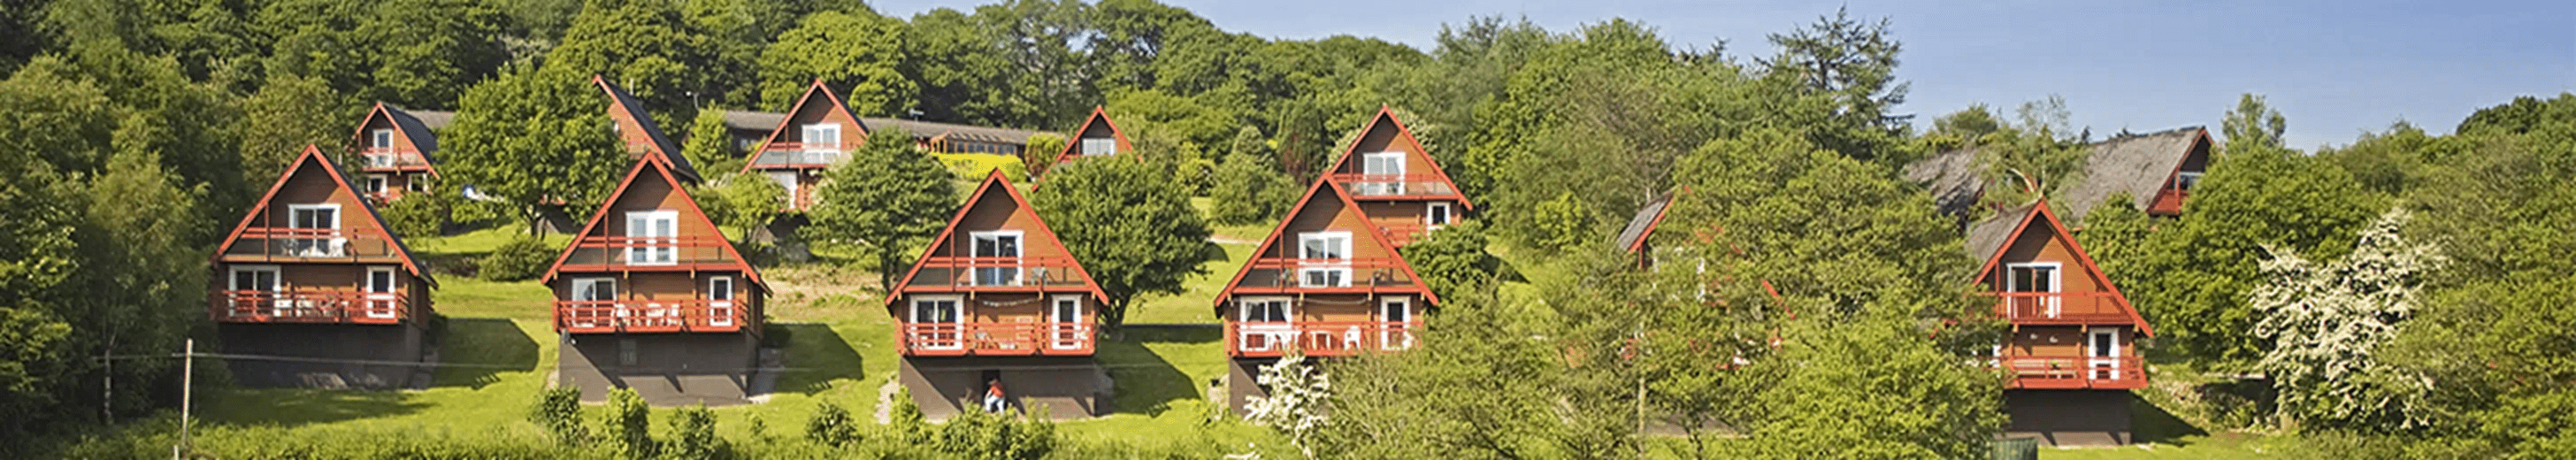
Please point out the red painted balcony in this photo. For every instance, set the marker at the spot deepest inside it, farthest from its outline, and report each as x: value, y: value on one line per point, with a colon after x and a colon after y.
x: 2074, y: 373
x: 794, y: 155
x: 1261, y: 339
x: 640, y: 315
x: 279, y: 244
x: 386, y: 159
x: 328, y: 307
x: 1403, y: 232
x: 2069, y: 308
x: 1326, y: 276
x: 1396, y: 186
x: 997, y: 274
x: 996, y: 339
x: 2168, y: 202
x: 639, y: 253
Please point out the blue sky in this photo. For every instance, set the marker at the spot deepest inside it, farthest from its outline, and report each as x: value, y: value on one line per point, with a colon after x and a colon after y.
x: 2334, y: 68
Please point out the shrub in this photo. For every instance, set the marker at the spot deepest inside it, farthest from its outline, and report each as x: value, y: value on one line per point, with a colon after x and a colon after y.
x: 693, y: 435
x: 559, y: 411
x: 416, y: 215
x: 974, y: 166
x: 521, y: 259
x: 831, y: 426
x: 981, y: 435
x: 1247, y: 191
x: 630, y: 423
x: 908, y: 424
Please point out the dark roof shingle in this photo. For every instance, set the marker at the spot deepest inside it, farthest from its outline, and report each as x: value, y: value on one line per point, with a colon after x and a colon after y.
x: 2136, y: 164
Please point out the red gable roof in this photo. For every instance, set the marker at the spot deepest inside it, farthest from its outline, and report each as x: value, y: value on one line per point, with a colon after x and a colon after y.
x: 2040, y: 214
x: 1319, y: 191
x: 1403, y: 134
x: 413, y: 132
x: 1102, y: 118
x: 660, y: 171
x: 799, y: 107
x: 1041, y: 235
x: 624, y: 105
x: 312, y: 158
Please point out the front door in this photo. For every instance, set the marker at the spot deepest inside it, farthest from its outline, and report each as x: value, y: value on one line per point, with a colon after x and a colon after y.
x: 1069, y: 330
x: 651, y: 237
x: 2104, y: 348
x: 720, y: 301
x: 381, y: 301
x: 595, y: 297
x: 1396, y: 331
x: 937, y: 324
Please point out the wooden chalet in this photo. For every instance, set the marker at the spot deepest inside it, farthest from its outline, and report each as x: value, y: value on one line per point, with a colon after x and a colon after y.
x: 1635, y: 236
x: 1096, y: 136
x: 650, y: 295
x: 2071, y: 354
x: 1325, y: 283
x: 2156, y: 169
x: 642, y: 136
x: 817, y: 133
x: 398, y: 150
x: 749, y: 128
x: 312, y: 272
x: 997, y: 297
x: 1398, y: 185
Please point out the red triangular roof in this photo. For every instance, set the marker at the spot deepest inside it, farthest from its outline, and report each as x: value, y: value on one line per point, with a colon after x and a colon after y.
x: 1321, y: 188
x: 2042, y: 215
x: 1040, y: 235
x: 312, y: 157
x: 1097, y: 115
x: 658, y: 145
x: 1405, y: 135
x: 412, y: 130
x: 799, y: 107
x: 660, y: 171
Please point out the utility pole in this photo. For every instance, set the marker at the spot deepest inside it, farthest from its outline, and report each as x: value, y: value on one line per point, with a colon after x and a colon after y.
x: 187, y: 393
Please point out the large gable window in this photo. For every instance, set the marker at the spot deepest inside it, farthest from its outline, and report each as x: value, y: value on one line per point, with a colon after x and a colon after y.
x: 1326, y: 259
x: 1096, y: 146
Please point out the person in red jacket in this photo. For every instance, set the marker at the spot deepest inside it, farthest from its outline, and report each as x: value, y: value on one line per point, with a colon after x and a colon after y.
x: 993, y: 401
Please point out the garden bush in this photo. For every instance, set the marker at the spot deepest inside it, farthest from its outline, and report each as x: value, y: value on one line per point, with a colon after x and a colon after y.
x: 521, y: 259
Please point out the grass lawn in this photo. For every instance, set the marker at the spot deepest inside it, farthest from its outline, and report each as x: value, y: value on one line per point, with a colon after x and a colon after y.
x: 1191, y: 305
x: 466, y: 297
x: 474, y: 242
x: 2216, y: 446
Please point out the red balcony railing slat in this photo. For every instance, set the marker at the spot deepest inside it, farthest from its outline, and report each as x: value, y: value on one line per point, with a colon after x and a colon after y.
x: 2096, y: 307
x: 641, y: 315
x: 1317, y: 338
x: 626, y: 251
x: 1421, y: 185
x: 2074, y: 372
x: 956, y: 273
x: 311, y: 243
x: 984, y: 338
x: 308, y: 307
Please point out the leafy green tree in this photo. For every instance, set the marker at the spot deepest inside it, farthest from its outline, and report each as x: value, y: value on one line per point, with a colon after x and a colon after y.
x: 1819, y: 224
x: 1453, y: 261
x: 534, y: 138
x: 415, y: 53
x: 889, y: 199
x: 287, y: 114
x: 649, y: 48
x: 1870, y: 385
x: 1131, y: 226
x: 2326, y: 321
x: 741, y: 201
x: 1247, y: 188
x: 710, y: 146
x: 1039, y: 153
x: 629, y: 424
x: 1440, y: 399
x: 2253, y: 126
x: 1849, y: 66
x: 832, y: 426
x: 857, y: 52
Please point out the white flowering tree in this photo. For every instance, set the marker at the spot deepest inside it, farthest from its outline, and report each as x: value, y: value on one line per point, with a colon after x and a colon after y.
x: 1298, y: 393
x: 2325, y: 321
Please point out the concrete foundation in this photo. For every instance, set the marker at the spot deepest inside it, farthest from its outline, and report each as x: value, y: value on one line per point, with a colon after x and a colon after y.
x: 1060, y: 388
x: 367, y: 356
x: 1243, y: 382
x: 666, y: 369
x: 2069, y: 417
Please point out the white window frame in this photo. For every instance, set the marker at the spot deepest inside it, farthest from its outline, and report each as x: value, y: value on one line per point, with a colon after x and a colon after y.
x: 1019, y: 255
x: 333, y: 246
x: 1438, y: 214
x: 1393, y: 187
x: 2185, y: 180
x: 617, y: 310
x: 654, y: 249
x: 2094, y: 352
x: 1399, y: 336
x: 376, y: 183
x: 811, y: 131
x: 1340, y: 265
x: 955, y: 340
x: 1272, y: 335
x: 2056, y: 283
x: 720, y: 300
x: 1068, y: 338
x: 1105, y: 146
x: 276, y: 284
x: 415, y: 183
x: 382, y: 138
x: 381, y: 304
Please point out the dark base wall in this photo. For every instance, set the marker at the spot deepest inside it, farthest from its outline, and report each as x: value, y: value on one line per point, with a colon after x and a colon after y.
x: 1243, y: 382
x: 2069, y: 417
x: 402, y: 343
x: 1067, y: 387
x: 667, y: 369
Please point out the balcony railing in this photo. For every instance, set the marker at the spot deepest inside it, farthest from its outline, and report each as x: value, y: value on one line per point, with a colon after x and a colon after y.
x: 1403, y: 232
x: 2059, y: 308
x: 991, y: 274
x: 789, y: 155
x: 379, y: 159
x: 996, y: 339
x: 1281, y: 275
x: 2168, y: 202
x: 308, y: 307
x: 308, y: 244
x: 1396, y: 185
x: 2074, y: 372
x: 1317, y: 338
x: 641, y: 315
x: 637, y: 252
